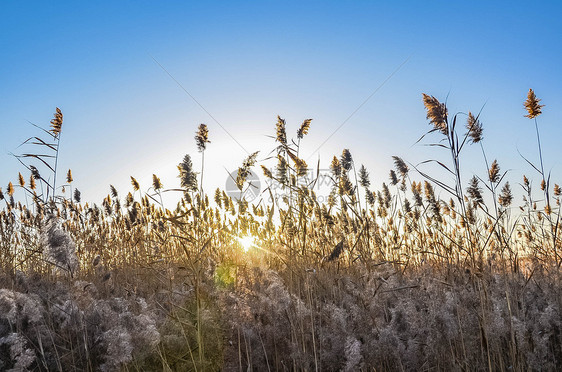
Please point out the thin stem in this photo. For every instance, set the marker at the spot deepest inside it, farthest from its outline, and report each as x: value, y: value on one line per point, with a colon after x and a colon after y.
x: 202, y: 170
x: 56, y: 163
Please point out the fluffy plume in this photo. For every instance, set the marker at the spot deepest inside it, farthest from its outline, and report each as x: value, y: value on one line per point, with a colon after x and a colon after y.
x: 202, y: 137
x: 58, y: 246
x: 244, y: 170
x: 56, y: 123
x: 35, y: 172
x: 156, y: 183
x: 364, y: 177
x: 335, y: 167
x: 401, y: 166
x: 474, y: 191
x: 474, y: 128
x: 77, y: 195
x: 494, y: 172
x: 266, y: 172
x: 303, y: 130
x: 532, y: 105
x: 188, y: 177
x: 436, y: 113
x: 505, y: 197
x: 135, y: 184
x: 281, y: 133
x: 113, y: 191
x: 346, y: 160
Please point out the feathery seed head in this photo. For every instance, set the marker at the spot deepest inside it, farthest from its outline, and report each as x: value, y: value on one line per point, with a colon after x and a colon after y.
x: 188, y: 177
x: 335, y: 167
x: 364, y: 177
x: 346, y: 160
x: 303, y: 130
x: 56, y: 123
x: 69, y: 178
x: 474, y: 191
x: 77, y: 195
x: 401, y: 167
x: 532, y: 105
x: 202, y: 137
x: 494, y: 172
x: 281, y: 170
x: 34, y: 172
x: 393, y: 178
x: 10, y: 189
x: 474, y: 128
x: 281, y: 134
x: 244, y: 170
x: 266, y: 172
x: 135, y: 184
x: 113, y: 191
x: 21, y: 180
x: 156, y: 184
x: 505, y: 197
x: 436, y: 113
x: 129, y: 200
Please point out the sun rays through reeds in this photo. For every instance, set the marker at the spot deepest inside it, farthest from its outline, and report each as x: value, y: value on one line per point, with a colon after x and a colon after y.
x: 418, y: 273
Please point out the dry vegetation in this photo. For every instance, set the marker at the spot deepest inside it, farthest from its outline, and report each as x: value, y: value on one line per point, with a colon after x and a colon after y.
x: 395, y: 279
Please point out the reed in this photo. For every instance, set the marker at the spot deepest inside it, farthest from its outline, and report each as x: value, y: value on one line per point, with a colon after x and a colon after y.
x: 396, y: 277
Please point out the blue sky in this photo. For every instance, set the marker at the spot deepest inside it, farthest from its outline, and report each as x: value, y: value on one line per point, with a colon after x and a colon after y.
x: 247, y: 62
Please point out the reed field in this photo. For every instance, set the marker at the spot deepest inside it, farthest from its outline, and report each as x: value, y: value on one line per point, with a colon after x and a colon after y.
x: 417, y: 273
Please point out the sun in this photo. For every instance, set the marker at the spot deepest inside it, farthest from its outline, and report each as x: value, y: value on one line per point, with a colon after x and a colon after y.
x: 247, y: 242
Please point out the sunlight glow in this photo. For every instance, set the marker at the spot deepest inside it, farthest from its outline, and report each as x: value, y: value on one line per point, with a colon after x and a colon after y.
x: 247, y: 242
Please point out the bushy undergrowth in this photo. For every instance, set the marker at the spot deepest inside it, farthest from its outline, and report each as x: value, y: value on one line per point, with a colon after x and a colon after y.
x: 396, y: 279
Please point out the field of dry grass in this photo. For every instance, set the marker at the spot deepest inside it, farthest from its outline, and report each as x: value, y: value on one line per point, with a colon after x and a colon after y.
x: 417, y: 274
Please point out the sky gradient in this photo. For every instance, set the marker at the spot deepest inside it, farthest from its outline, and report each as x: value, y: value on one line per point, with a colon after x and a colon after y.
x: 115, y: 70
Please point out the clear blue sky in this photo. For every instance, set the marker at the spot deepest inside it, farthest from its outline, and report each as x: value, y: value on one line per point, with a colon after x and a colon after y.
x: 247, y: 62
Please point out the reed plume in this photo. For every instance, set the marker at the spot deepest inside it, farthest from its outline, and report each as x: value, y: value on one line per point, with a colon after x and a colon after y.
x: 113, y: 191
x: 475, y: 191
x: 335, y: 167
x: 135, y: 184
x: 281, y: 133
x: 436, y: 113
x: 506, y: 196
x: 303, y: 130
x: 245, y: 170
x: 494, y: 172
x: 532, y: 105
x: 202, y: 137
x: 346, y: 160
x: 77, y: 195
x: 56, y: 123
x: 188, y: 178
x: 156, y: 183
x: 474, y: 128
x: 364, y: 177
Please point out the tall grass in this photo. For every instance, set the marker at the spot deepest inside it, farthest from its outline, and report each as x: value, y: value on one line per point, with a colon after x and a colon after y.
x: 398, y: 278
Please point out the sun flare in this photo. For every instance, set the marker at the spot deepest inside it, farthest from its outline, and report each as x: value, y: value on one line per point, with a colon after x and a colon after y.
x: 247, y: 242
